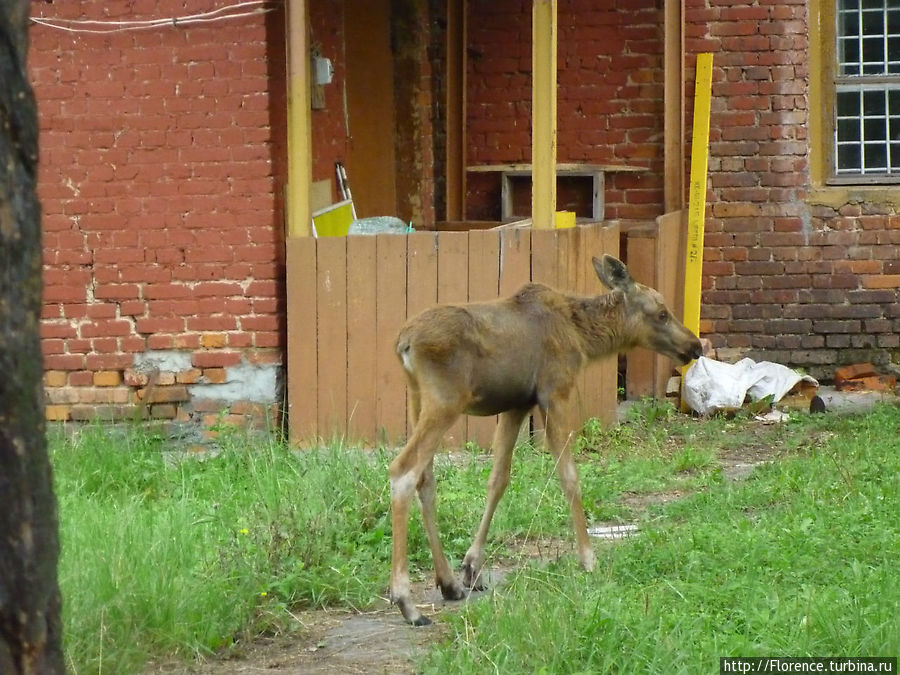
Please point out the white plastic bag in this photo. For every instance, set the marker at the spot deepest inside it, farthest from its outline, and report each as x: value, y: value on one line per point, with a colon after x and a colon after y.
x: 710, y: 386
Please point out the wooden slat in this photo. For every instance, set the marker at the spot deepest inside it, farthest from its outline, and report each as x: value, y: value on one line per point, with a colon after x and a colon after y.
x: 421, y: 284
x: 331, y: 291
x: 302, y: 375
x: 484, y: 284
x: 562, y: 168
x: 422, y: 266
x: 640, y: 370
x: 453, y: 281
x: 567, y: 254
x: 390, y: 313
x: 609, y: 367
x: 515, y: 260
x: 670, y: 256
x: 361, y: 327
x: 590, y: 383
x: 544, y: 260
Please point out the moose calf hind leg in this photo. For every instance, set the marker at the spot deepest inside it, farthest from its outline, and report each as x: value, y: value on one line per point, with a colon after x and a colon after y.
x: 444, y: 578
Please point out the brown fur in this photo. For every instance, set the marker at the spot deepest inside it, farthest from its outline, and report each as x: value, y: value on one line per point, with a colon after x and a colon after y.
x: 505, y: 357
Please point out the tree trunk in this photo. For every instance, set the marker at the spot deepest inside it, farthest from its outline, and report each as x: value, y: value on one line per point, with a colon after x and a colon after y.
x: 30, y: 627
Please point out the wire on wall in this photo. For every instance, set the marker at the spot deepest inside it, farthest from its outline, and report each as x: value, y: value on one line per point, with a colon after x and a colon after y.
x: 234, y: 11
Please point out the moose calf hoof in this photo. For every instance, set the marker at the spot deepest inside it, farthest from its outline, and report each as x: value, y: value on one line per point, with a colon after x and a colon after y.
x: 588, y: 562
x: 472, y: 579
x: 412, y: 615
x: 452, y: 590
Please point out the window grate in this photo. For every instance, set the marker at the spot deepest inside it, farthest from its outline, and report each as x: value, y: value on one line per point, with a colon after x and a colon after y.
x: 867, y: 94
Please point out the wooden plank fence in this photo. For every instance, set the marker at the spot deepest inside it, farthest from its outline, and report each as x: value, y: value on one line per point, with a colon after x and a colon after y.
x: 655, y: 257
x: 349, y: 296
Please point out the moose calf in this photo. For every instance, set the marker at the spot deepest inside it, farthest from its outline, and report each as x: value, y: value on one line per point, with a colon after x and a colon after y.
x: 505, y: 357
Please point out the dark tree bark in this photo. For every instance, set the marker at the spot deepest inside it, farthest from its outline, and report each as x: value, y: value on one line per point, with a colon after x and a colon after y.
x: 30, y: 627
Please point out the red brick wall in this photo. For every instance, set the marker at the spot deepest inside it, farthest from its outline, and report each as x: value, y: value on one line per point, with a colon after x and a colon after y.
x: 784, y: 279
x: 609, y: 102
x: 161, y: 178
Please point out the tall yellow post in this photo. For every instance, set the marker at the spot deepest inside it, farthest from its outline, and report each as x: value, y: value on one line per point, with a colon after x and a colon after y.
x: 693, y: 278
x: 697, y: 208
x: 299, y: 210
x: 543, y: 114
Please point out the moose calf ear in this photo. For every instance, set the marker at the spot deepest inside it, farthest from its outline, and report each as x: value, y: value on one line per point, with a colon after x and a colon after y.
x: 612, y: 272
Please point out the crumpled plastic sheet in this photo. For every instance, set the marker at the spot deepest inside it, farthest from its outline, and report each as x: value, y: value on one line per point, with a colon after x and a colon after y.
x: 711, y: 386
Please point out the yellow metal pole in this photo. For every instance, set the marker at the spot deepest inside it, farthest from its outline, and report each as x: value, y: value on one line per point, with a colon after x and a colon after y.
x: 697, y: 208
x: 543, y: 102
x: 299, y: 210
x: 697, y: 199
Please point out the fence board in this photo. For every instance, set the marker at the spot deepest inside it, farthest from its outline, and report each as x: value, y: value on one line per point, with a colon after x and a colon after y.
x: 608, y: 367
x: 331, y: 292
x: 390, y: 313
x: 422, y: 266
x: 422, y: 281
x: 302, y: 370
x: 567, y: 258
x: 544, y: 258
x: 453, y: 282
x: 484, y: 284
x: 640, y: 371
x: 590, y: 383
x: 361, y: 331
x: 515, y: 260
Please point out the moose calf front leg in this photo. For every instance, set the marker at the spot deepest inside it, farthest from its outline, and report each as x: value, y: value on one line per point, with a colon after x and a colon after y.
x: 504, y: 441
x: 559, y: 442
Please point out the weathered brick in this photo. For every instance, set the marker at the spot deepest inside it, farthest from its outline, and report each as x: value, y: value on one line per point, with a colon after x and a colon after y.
x: 881, y: 281
x: 55, y: 378
x: 215, y: 375
x: 163, y: 411
x: 135, y: 378
x: 213, y: 340
x: 164, y: 378
x: 215, y: 359
x: 854, y: 371
x: 57, y: 413
x: 108, y: 378
x: 106, y: 413
x: 164, y: 394
x: 191, y: 376
x: 870, y: 383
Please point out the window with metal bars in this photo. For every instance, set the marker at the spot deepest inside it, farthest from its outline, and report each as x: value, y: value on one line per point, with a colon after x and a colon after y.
x: 867, y: 90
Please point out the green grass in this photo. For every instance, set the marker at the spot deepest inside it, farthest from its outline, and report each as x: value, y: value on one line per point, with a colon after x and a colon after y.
x: 165, y: 557
x: 184, y: 557
x: 800, y: 559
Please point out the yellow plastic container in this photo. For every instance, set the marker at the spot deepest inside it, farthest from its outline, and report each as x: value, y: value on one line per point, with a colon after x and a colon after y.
x: 565, y: 219
x: 334, y: 220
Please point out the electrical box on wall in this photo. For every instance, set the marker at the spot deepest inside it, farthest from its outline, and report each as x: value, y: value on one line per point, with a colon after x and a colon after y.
x: 323, y: 70
x: 321, y: 73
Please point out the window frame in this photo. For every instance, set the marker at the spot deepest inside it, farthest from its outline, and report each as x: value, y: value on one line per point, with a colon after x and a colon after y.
x: 825, y: 81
